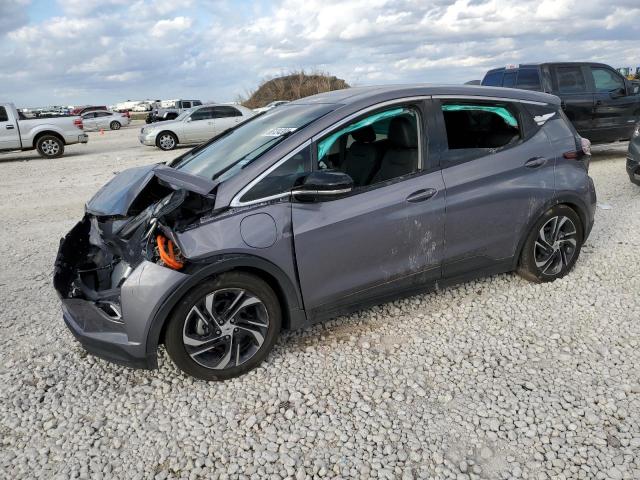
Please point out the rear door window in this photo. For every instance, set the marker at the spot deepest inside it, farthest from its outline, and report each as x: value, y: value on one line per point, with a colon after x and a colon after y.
x: 529, y: 79
x: 225, y: 112
x: 3, y: 115
x: 509, y: 79
x: 476, y: 129
x: 493, y: 79
x: 570, y: 80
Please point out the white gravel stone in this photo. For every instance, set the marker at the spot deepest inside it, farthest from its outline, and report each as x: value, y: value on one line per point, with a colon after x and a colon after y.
x: 490, y: 379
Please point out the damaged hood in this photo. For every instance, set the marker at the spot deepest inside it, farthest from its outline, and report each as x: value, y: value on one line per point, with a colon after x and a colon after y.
x: 117, y: 197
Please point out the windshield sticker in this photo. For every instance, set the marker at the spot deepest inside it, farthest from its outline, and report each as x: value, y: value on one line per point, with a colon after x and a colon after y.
x: 278, y: 132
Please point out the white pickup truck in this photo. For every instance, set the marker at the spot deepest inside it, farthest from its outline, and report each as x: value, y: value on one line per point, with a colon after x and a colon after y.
x: 48, y: 135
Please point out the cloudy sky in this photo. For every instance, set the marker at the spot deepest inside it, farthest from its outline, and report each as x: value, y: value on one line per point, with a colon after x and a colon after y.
x: 103, y: 51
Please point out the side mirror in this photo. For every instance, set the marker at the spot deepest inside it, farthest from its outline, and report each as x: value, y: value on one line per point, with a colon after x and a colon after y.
x: 322, y: 186
x: 619, y: 92
x: 189, y: 119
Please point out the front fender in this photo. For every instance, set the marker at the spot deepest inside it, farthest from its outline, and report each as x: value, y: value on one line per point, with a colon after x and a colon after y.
x: 289, y: 293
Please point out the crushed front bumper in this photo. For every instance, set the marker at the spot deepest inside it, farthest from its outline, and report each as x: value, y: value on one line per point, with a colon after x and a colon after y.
x: 113, y: 324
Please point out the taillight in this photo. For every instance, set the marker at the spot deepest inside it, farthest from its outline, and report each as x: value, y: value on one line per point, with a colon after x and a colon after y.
x: 584, y: 149
x: 78, y: 123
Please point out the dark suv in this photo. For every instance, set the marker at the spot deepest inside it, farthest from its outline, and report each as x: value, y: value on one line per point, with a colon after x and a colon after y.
x: 602, y: 104
x: 319, y: 207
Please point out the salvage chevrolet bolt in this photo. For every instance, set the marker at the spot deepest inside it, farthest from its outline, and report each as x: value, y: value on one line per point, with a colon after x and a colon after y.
x: 321, y: 207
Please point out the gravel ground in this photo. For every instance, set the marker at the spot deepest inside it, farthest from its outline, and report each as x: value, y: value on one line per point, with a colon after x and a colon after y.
x: 497, y: 378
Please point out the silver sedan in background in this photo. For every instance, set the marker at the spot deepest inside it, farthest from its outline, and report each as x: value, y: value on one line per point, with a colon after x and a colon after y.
x: 193, y: 126
x: 103, y: 119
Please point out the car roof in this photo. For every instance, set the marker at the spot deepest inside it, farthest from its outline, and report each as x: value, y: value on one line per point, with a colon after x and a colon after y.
x: 540, y: 64
x: 354, y: 95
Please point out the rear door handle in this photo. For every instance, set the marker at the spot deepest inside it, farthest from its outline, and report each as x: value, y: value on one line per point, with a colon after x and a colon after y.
x: 10, y: 127
x: 535, y: 162
x: 422, y: 195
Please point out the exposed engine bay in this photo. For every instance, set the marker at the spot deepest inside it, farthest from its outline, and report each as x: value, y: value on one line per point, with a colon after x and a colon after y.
x: 132, y: 218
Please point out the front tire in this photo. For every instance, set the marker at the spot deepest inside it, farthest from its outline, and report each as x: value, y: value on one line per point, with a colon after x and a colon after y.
x: 224, y: 327
x: 166, y: 141
x: 49, y: 146
x: 553, y: 245
x: 115, y: 125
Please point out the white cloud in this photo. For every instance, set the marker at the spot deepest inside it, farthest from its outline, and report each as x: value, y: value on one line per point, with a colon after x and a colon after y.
x: 174, y: 26
x: 106, y: 50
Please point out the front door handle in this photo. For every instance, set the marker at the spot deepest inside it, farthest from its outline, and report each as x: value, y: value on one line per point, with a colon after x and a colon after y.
x: 422, y: 195
x: 535, y: 162
x: 10, y: 127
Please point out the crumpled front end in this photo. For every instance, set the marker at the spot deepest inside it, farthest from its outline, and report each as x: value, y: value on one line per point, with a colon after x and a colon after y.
x: 116, y: 267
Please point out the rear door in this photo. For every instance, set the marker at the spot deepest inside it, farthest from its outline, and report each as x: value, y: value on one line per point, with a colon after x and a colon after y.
x: 103, y: 119
x: 9, y: 134
x: 570, y: 84
x: 615, y: 112
x: 498, y: 171
x: 225, y: 117
x: 387, y: 235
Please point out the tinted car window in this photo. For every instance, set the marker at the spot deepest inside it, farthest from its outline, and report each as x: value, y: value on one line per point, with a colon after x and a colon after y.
x: 103, y: 114
x: 282, y: 179
x: 529, y: 79
x: 509, y: 79
x: 484, y: 126
x: 605, y: 80
x: 493, y: 79
x: 570, y: 80
x: 225, y: 112
x: 202, y: 114
x: 3, y: 115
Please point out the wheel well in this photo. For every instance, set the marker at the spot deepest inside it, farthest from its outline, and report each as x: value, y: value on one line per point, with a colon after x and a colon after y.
x: 523, y: 239
x: 167, y: 131
x: 46, y: 132
x: 268, y: 278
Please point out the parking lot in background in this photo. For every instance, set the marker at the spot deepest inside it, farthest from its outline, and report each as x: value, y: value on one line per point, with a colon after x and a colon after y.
x: 496, y: 378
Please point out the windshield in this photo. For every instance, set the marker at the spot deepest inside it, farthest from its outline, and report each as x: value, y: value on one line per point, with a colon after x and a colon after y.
x: 237, y: 148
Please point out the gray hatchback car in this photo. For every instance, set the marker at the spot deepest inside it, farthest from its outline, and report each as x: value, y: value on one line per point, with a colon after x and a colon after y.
x: 317, y: 208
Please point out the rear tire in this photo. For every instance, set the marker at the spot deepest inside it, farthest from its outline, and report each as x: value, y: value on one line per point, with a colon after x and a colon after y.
x: 50, y: 146
x: 166, y: 141
x: 115, y: 125
x: 224, y: 327
x: 552, y: 246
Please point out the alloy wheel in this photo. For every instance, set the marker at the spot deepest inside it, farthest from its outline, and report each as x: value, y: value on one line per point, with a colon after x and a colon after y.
x: 225, y: 328
x: 167, y: 142
x: 555, y: 245
x: 50, y: 147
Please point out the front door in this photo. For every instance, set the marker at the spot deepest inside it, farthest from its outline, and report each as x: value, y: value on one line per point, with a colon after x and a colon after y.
x: 615, y: 113
x: 387, y: 235
x: 89, y: 121
x: 9, y: 134
x: 200, y: 126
